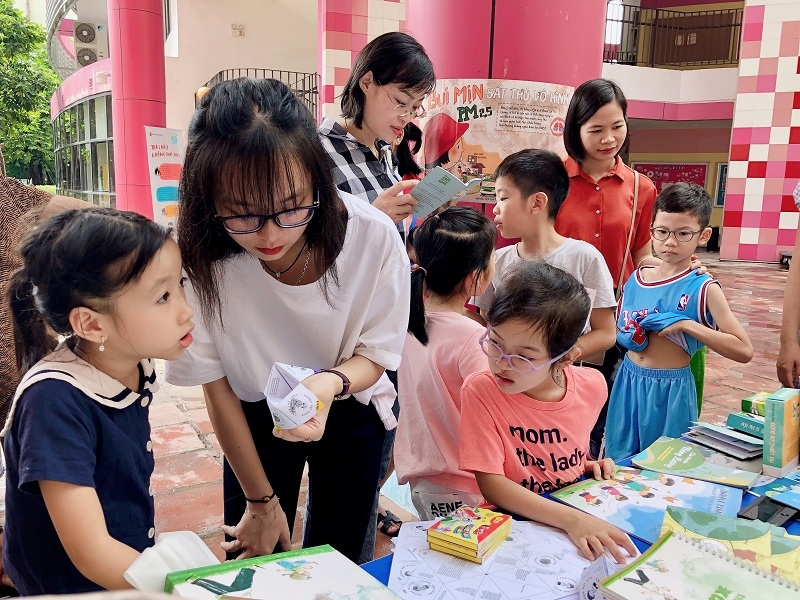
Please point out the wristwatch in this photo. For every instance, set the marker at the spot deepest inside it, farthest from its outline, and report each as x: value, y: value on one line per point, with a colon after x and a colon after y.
x: 345, y: 383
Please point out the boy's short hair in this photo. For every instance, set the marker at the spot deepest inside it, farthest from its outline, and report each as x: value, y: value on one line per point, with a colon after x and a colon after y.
x: 536, y: 170
x: 686, y: 198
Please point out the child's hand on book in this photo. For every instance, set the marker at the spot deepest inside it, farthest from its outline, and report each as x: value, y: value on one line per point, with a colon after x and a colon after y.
x: 594, y: 536
x: 601, y: 469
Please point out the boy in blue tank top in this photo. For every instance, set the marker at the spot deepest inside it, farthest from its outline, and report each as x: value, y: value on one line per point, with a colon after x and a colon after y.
x: 666, y: 313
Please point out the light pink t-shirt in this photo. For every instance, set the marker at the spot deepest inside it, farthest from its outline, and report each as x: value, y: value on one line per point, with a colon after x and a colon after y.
x: 429, y: 388
x: 540, y: 445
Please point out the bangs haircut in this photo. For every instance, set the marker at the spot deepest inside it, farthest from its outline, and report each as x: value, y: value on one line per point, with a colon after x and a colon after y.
x: 550, y: 301
x: 248, y: 142
x: 685, y: 198
x: 393, y: 57
x: 588, y: 98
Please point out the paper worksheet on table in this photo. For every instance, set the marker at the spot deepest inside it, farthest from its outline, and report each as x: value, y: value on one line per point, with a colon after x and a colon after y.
x: 535, y: 562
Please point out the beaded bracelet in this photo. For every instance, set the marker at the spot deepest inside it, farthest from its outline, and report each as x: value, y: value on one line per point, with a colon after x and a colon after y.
x: 263, y: 499
x: 264, y: 514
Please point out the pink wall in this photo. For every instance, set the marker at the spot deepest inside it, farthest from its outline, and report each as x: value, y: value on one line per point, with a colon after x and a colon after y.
x: 535, y: 40
x: 678, y: 3
x: 676, y: 141
x: 760, y: 217
x: 80, y: 85
x: 460, y: 50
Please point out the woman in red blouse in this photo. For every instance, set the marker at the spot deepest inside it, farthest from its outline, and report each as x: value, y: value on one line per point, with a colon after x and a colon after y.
x: 600, y: 206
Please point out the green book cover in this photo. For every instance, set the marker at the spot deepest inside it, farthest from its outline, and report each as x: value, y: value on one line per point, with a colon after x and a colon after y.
x: 685, y: 569
x: 678, y: 457
x: 754, y: 403
x: 747, y: 423
x: 781, y: 431
x: 307, y: 574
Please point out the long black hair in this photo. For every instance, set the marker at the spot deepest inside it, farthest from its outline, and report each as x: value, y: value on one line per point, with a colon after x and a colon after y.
x: 449, y: 246
x: 549, y: 300
x: 79, y: 258
x: 249, y: 140
x: 406, y: 154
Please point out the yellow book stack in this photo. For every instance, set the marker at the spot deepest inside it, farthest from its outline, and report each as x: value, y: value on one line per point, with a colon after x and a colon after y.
x: 470, y: 533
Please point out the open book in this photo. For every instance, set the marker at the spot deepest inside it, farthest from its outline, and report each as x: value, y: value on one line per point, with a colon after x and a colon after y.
x: 438, y: 187
x: 680, y: 568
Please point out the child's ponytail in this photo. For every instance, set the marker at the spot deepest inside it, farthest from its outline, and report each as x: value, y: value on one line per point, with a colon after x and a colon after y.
x: 449, y: 246
x: 77, y: 258
x: 31, y: 340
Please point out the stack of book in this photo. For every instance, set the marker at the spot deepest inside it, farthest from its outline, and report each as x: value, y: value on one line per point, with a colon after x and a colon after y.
x: 768, y: 425
x: 470, y: 533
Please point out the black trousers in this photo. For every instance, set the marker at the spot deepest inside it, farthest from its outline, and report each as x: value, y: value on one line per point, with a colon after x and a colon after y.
x: 343, y: 467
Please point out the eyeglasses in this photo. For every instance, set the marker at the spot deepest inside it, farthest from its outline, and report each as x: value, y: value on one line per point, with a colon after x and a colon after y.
x: 285, y: 219
x: 403, y: 109
x: 682, y: 235
x: 517, y: 362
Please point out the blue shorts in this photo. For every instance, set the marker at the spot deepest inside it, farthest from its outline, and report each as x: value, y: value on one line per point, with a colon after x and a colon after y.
x: 646, y: 404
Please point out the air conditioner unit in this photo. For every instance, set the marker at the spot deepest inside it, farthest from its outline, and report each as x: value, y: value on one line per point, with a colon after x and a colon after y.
x: 91, y: 42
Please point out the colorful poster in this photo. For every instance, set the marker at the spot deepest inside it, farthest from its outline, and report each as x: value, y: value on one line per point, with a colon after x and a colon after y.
x: 473, y: 124
x: 666, y: 174
x: 165, y: 159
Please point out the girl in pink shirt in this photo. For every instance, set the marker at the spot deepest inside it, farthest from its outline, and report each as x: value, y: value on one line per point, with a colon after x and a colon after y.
x: 455, y: 252
x: 526, y: 421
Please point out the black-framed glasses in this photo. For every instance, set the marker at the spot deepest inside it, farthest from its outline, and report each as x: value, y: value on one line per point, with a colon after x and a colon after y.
x: 682, y: 235
x: 403, y: 110
x: 286, y: 219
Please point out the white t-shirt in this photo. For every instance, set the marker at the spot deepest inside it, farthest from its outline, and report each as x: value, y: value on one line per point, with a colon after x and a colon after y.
x: 266, y: 321
x: 578, y: 258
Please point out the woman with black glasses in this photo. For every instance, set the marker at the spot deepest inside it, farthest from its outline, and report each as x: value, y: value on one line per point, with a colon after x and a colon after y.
x: 276, y: 259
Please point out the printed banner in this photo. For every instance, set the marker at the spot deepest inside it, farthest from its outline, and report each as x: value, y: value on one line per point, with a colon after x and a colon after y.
x: 165, y: 158
x: 664, y: 175
x: 473, y: 124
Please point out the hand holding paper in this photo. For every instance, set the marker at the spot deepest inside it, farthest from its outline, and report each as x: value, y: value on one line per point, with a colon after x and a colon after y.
x: 290, y: 402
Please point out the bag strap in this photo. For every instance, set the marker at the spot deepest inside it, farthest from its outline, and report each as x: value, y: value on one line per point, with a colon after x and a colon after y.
x: 620, y: 279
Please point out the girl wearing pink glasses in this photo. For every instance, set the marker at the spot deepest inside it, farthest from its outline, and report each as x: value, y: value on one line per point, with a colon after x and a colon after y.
x: 525, y: 422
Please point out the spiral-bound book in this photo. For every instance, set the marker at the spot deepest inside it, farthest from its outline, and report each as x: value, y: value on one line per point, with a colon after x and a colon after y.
x: 681, y: 568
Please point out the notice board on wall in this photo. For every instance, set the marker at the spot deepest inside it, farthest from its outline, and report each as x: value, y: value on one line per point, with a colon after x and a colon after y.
x: 664, y: 175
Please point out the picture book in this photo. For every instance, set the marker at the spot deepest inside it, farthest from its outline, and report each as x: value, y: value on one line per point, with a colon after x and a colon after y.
x: 727, y: 440
x: 462, y: 552
x: 783, y: 490
x: 785, y: 556
x: 474, y: 529
x: 753, y: 465
x: 685, y: 459
x: 781, y: 431
x: 319, y: 573
x: 746, y: 423
x: 742, y: 538
x: 754, y: 403
x: 636, y: 500
x: 680, y: 568
x: 436, y: 188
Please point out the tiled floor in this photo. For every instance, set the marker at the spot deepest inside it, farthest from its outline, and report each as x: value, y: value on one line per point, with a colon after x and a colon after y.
x: 187, y: 479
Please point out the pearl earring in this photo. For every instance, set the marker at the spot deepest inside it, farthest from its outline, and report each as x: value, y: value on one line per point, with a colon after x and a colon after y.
x: 102, y: 347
